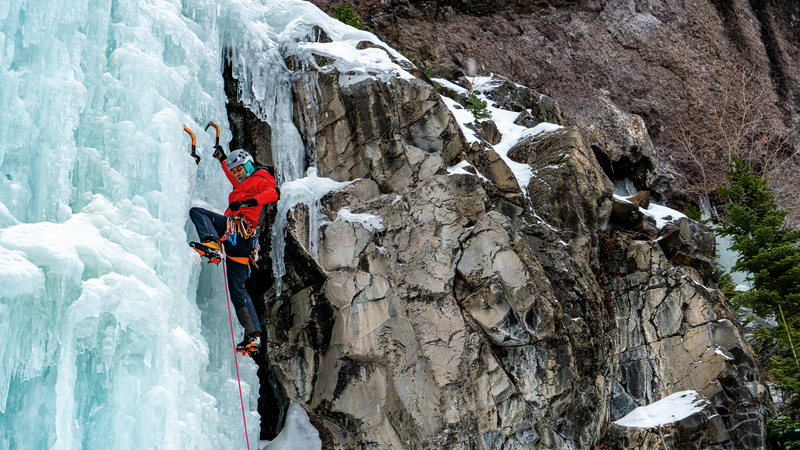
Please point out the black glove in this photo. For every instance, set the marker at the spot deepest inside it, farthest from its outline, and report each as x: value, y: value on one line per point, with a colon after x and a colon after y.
x: 236, y: 205
x: 219, y: 153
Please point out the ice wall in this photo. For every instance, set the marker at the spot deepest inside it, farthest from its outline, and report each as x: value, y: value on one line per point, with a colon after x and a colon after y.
x: 112, y: 332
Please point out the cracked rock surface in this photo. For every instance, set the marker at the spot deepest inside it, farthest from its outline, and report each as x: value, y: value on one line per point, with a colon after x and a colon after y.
x: 483, y: 317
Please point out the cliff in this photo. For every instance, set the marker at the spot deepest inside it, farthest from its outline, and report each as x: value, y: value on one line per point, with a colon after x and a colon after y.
x: 707, y: 77
x: 477, y: 284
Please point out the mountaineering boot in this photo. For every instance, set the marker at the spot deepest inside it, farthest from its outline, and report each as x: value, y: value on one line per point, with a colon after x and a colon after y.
x: 250, y: 345
x: 210, y: 248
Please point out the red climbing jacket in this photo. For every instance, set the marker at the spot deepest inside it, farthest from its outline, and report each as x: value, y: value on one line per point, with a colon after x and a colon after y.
x: 259, y: 185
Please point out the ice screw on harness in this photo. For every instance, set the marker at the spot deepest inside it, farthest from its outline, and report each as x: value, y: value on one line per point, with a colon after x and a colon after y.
x: 194, y: 144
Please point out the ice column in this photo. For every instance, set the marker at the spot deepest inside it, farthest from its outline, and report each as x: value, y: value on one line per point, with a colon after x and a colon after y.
x: 265, y: 86
x: 106, y: 340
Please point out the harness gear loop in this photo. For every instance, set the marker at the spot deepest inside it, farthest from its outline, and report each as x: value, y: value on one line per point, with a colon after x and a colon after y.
x: 240, y: 227
x: 194, y: 144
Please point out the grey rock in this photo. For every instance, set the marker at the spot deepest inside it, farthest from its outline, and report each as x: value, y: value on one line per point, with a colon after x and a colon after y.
x: 481, y: 316
x: 621, y: 143
x: 525, y: 119
x: 495, y: 169
x: 701, y: 429
x: 397, y: 133
x: 660, y: 182
x: 514, y: 97
x: 690, y: 243
x: 486, y: 130
x: 568, y: 190
x: 493, y: 135
x: 626, y: 214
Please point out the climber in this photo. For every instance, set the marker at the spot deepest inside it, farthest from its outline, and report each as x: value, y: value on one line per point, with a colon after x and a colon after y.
x: 253, y: 187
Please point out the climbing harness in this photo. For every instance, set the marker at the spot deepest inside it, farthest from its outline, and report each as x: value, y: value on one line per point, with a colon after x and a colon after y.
x: 239, y: 227
x: 235, y: 359
x: 194, y: 144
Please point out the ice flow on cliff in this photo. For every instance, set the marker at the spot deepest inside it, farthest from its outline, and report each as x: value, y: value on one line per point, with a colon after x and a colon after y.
x: 113, y: 334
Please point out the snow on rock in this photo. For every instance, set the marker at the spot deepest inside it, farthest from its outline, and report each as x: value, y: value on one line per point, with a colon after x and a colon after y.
x: 662, y: 214
x: 369, y: 221
x: 677, y: 406
x: 306, y: 190
x: 353, y: 64
x: 504, y: 119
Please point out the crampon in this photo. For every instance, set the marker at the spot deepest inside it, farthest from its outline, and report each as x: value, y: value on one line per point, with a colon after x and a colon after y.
x: 250, y: 345
x: 207, y: 250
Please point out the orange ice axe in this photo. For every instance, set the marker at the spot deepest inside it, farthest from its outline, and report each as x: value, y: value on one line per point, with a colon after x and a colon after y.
x: 216, y: 127
x: 194, y: 144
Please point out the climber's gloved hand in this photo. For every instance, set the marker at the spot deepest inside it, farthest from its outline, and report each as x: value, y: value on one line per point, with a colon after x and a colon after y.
x: 219, y: 153
x: 237, y: 205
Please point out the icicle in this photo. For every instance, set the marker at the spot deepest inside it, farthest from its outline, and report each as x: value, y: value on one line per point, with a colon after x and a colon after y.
x: 305, y: 190
x: 265, y: 88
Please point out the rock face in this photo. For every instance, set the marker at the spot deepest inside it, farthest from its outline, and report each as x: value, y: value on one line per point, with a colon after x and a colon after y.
x: 668, y: 63
x: 702, y: 429
x: 570, y: 189
x: 673, y: 333
x: 466, y: 313
x: 621, y: 143
x: 397, y: 134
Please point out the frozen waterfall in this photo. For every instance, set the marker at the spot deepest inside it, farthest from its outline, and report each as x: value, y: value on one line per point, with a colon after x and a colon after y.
x: 112, y: 332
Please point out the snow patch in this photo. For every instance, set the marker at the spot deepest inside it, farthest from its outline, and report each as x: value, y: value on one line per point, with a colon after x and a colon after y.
x: 512, y: 134
x: 369, y: 221
x: 719, y: 351
x: 449, y: 85
x: 677, y: 406
x: 662, y: 214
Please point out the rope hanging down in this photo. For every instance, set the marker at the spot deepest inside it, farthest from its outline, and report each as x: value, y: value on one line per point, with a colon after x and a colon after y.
x: 233, y: 339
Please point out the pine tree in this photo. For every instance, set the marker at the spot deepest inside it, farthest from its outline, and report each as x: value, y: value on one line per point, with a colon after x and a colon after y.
x: 767, y: 249
x: 478, y: 107
x: 768, y: 252
x: 344, y: 13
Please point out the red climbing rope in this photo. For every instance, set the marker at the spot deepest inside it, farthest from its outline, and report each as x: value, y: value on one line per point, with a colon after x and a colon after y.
x: 233, y: 339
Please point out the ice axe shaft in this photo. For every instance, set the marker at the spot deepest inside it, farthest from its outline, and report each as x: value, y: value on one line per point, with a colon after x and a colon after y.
x: 216, y: 127
x: 194, y: 144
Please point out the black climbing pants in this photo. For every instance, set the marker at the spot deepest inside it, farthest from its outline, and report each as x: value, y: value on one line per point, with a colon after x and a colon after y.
x: 210, y: 224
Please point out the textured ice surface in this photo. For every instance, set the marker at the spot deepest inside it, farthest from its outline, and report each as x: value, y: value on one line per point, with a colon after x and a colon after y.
x: 112, y: 332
